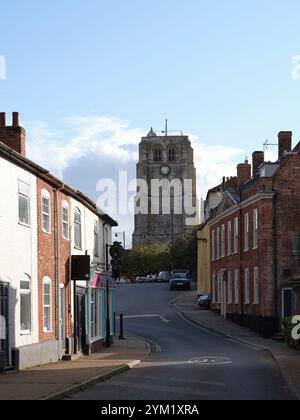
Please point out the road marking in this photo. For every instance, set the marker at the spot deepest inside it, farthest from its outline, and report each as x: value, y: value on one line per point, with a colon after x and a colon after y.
x: 211, y: 361
x: 166, y: 321
x: 161, y: 317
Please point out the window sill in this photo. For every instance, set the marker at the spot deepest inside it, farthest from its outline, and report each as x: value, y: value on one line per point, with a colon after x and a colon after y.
x: 24, y: 225
x: 25, y: 333
x: 46, y: 233
x: 77, y: 248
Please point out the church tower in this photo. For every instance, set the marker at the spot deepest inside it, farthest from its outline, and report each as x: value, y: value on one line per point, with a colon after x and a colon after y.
x: 167, y: 160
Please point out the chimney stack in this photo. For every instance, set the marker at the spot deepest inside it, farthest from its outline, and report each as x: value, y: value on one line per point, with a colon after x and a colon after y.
x: 258, y: 158
x: 243, y: 172
x: 15, y: 119
x: 2, y: 119
x: 13, y: 136
x: 284, y: 143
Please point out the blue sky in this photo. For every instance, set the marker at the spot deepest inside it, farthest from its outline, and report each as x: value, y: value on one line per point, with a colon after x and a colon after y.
x: 220, y: 70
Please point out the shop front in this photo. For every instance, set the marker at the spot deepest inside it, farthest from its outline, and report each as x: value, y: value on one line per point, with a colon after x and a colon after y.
x: 101, y: 311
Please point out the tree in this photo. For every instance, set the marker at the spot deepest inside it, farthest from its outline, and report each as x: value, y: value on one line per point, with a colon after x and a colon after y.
x: 146, y: 259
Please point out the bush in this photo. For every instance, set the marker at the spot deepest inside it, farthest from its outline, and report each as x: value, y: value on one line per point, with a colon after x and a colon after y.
x: 288, y: 327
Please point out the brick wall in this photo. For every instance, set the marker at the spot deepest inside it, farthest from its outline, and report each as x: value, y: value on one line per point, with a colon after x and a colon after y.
x: 47, y: 261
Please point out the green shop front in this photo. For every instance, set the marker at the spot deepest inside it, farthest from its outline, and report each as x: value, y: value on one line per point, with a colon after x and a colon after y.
x: 100, y: 311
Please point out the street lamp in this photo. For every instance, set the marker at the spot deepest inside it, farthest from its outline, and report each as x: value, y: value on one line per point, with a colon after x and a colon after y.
x: 124, y: 237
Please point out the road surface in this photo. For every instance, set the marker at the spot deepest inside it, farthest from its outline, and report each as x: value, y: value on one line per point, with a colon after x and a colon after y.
x: 187, y: 363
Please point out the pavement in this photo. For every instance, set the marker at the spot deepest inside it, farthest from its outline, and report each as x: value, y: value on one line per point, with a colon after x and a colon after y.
x: 287, y: 359
x: 60, y: 380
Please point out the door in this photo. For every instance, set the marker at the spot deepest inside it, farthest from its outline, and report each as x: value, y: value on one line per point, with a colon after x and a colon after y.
x: 4, y: 333
x: 223, y: 295
x: 287, y: 303
x: 81, y: 321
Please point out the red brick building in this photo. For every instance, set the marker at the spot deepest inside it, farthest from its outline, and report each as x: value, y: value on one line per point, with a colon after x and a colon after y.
x: 255, y: 241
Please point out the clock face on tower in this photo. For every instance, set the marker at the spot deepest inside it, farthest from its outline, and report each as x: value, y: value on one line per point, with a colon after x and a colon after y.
x: 165, y: 170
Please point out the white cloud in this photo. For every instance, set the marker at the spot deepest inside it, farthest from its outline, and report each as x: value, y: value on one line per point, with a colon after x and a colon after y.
x: 105, y: 137
x: 114, y: 142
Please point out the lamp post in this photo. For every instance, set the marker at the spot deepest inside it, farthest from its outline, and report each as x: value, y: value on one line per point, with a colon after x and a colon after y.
x: 124, y: 237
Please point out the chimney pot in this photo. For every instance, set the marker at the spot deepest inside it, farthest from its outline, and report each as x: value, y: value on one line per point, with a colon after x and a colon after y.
x: 2, y: 119
x: 15, y: 116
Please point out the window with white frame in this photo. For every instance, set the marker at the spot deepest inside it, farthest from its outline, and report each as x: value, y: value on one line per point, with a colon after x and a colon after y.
x: 47, y: 305
x: 223, y: 241
x: 46, y: 211
x: 255, y: 229
x: 24, y: 203
x: 213, y: 245
x: 95, y: 302
x: 247, y: 287
x: 230, y: 288
x: 77, y: 228
x: 218, y: 243
x: 65, y: 220
x: 96, y: 240
x: 236, y: 235
x: 236, y: 287
x: 219, y: 286
x: 94, y: 312
x: 229, y: 238
x: 246, y: 232
x: 214, y: 288
x: 25, y: 304
x: 256, y: 286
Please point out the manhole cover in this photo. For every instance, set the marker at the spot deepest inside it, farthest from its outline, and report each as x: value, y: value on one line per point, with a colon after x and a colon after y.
x: 211, y: 361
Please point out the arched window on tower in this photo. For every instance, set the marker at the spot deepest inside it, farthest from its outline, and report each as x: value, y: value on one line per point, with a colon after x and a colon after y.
x: 171, y: 154
x: 158, y: 155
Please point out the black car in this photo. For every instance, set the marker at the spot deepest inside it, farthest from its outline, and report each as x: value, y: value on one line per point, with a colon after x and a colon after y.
x: 204, y: 301
x: 180, y: 281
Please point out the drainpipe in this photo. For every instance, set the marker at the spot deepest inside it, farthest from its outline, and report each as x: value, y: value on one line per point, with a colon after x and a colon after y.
x: 275, y: 261
x: 241, y: 273
x: 57, y: 264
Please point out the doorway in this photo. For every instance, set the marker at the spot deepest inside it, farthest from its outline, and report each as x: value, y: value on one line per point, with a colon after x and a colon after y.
x: 4, y: 329
x: 287, y: 302
x: 81, y: 320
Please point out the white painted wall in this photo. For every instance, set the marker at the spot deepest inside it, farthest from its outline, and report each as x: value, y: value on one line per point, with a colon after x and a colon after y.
x: 88, y: 222
x: 18, y: 247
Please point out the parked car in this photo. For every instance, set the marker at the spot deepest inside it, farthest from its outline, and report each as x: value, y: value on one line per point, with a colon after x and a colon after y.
x: 204, y: 301
x: 141, y: 279
x: 124, y: 280
x: 181, y: 271
x: 180, y: 281
x: 164, y: 276
x: 155, y: 278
